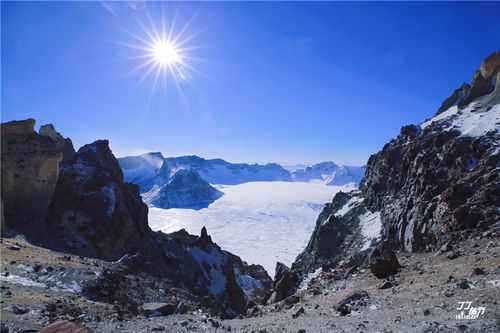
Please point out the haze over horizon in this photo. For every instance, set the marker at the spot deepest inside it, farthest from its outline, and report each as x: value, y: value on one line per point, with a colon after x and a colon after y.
x: 294, y: 83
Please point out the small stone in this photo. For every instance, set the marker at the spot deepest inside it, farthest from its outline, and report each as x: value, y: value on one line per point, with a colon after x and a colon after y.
x: 19, y: 309
x: 427, y: 312
x: 184, y: 323
x: 451, y: 255
x: 298, y: 313
x: 301, y: 331
x: 158, y: 328
x: 478, y: 271
x: 385, y: 285
x: 463, y: 284
x: 13, y: 247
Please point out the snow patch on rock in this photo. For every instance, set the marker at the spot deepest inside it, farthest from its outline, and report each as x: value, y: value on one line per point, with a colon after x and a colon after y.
x: 371, y: 226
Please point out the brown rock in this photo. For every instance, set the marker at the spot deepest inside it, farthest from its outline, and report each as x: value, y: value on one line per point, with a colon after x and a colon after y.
x: 64, y: 326
x: 30, y: 169
x: 490, y: 65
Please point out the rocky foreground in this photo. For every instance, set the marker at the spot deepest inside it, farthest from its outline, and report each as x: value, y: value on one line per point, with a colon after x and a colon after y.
x: 40, y: 286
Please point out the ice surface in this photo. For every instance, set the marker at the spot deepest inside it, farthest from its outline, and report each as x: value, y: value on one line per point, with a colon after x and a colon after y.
x: 262, y: 222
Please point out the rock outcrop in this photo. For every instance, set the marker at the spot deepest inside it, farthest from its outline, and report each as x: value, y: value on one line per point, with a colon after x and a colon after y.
x: 436, y: 182
x: 93, y: 211
x: 64, y: 145
x: 30, y: 170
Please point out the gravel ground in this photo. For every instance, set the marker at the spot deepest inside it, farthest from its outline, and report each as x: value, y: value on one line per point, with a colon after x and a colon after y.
x: 425, y: 298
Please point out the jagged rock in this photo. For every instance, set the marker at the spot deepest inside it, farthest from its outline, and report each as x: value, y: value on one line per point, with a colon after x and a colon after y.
x: 383, y: 262
x: 455, y: 98
x: 285, y: 283
x: 29, y: 175
x: 204, y: 238
x: 93, y: 211
x: 356, y: 298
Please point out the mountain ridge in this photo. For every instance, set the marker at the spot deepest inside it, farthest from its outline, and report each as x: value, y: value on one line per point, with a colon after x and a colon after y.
x: 153, y: 173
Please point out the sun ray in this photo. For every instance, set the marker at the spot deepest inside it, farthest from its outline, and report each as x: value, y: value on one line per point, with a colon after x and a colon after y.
x: 164, y: 50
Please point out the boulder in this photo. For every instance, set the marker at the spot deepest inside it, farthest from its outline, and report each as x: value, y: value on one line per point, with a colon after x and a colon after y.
x: 164, y: 309
x: 357, y: 298
x: 383, y: 262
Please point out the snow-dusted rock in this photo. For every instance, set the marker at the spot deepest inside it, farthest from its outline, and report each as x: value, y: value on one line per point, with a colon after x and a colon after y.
x: 435, y: 183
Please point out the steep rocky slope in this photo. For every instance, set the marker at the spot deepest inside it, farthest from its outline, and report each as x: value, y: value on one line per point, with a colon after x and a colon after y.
x: 85, y: 207
x: 437, y: 182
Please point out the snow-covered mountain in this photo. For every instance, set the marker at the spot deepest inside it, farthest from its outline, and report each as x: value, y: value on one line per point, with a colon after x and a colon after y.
x: 218, y: 171
x: 329, y: 173
x: 164, y: 185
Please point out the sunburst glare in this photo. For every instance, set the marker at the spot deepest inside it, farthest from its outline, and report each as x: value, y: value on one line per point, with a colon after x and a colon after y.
x: 165, y: 54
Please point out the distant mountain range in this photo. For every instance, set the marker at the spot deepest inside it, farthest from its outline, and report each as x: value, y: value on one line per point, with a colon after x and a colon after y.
x: 187, y: 181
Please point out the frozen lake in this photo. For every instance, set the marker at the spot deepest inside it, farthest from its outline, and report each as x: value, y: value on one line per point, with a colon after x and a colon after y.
x: 262, y: 222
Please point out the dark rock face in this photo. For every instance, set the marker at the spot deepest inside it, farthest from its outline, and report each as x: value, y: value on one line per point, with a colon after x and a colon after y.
x: 337, y: 235
x: 383, y: 262
x: 93, y: 210
x: 435, y: 183
x: 285, y: 283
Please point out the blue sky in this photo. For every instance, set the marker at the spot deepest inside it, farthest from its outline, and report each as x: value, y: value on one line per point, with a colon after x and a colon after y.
x: 282, y: 82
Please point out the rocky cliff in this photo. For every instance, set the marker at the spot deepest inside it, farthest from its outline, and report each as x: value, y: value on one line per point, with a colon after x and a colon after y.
x: 78, y: 202
x: 437, y: 182
x: 93, y: 211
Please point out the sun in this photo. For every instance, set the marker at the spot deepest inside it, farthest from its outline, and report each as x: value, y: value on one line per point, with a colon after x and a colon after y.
x: 165, y: 53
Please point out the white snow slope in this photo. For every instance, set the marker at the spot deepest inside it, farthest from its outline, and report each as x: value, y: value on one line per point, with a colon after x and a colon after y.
x: 262, y: 222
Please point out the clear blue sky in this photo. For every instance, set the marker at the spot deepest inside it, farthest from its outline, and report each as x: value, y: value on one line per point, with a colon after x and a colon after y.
x: 284, y: 82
